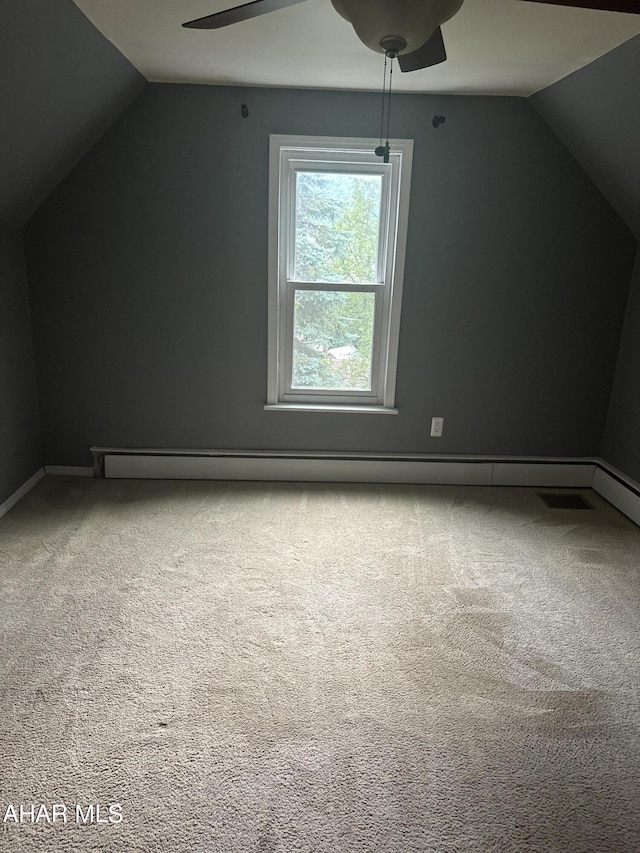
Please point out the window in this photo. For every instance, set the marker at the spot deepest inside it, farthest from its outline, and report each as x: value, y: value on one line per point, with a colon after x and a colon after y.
x: 338, y: 221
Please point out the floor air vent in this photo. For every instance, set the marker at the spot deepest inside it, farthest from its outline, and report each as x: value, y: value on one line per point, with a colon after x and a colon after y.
x: 557, y: 500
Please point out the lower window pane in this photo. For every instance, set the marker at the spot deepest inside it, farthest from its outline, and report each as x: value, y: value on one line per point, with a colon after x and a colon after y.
x: 332, y: 339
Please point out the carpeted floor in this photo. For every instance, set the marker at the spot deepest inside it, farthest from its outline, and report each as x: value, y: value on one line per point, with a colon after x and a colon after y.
x: 258, y: 668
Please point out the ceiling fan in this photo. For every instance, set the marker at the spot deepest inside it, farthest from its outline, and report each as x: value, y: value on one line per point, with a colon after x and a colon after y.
x: 408, y: 30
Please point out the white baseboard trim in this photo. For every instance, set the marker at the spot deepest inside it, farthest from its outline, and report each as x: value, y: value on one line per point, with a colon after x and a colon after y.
x: 69, y: 470
x: 613, y: 485
x: 545, y: 474
x: 618, y: 489
x: 302, y: 470
x: 13, y: 499
x: 343, y: 467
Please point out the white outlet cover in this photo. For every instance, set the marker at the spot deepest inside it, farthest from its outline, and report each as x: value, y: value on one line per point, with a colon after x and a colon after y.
x: 437, y: 427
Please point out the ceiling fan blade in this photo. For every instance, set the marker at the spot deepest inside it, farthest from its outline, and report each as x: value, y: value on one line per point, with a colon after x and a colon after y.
x: 632, y: 6
x: 432, y: 52
x: 239, y: 13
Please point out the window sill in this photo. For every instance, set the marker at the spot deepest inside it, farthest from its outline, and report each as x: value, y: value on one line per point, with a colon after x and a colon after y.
x: 332, y: 407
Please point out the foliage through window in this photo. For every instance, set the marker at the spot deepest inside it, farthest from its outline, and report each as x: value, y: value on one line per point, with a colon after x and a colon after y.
x: 338, y: 227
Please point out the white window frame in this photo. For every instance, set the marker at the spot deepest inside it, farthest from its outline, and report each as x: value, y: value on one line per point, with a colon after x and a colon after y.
x: 289, y: 154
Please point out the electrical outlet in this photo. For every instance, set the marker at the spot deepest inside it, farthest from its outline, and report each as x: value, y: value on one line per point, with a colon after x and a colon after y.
x: 437, y: 426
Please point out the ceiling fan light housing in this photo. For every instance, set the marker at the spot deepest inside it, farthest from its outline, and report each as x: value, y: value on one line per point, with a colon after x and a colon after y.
x: 393, y: 45
x: 413, y: 21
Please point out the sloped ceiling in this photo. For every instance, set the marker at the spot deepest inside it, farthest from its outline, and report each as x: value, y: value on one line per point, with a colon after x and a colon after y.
x: 62, y: 84
x: 494, y: 47
x: 596, y: 113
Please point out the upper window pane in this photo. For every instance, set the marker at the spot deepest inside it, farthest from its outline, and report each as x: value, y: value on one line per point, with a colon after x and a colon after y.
x: 337, y: 227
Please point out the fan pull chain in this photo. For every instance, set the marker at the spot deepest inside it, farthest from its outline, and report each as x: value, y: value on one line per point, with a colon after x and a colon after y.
x: 386, y: 156
x: 383, y: 150
x: 384, y: 89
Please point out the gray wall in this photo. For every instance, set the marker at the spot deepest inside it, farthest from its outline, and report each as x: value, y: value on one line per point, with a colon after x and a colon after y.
x: 148, y: 280
x: 596, y: 113
x: 20, y: 445
x: 621, y: 445
x: 61, y: 85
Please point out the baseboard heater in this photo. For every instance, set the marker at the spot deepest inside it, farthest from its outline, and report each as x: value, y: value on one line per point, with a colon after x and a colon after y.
x: 151, y: 463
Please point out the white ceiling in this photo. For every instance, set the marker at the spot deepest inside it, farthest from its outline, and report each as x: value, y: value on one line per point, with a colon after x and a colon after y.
x: 505, y: 47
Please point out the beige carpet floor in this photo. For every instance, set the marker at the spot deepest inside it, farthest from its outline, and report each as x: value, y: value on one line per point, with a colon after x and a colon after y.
x: 265, y: 668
